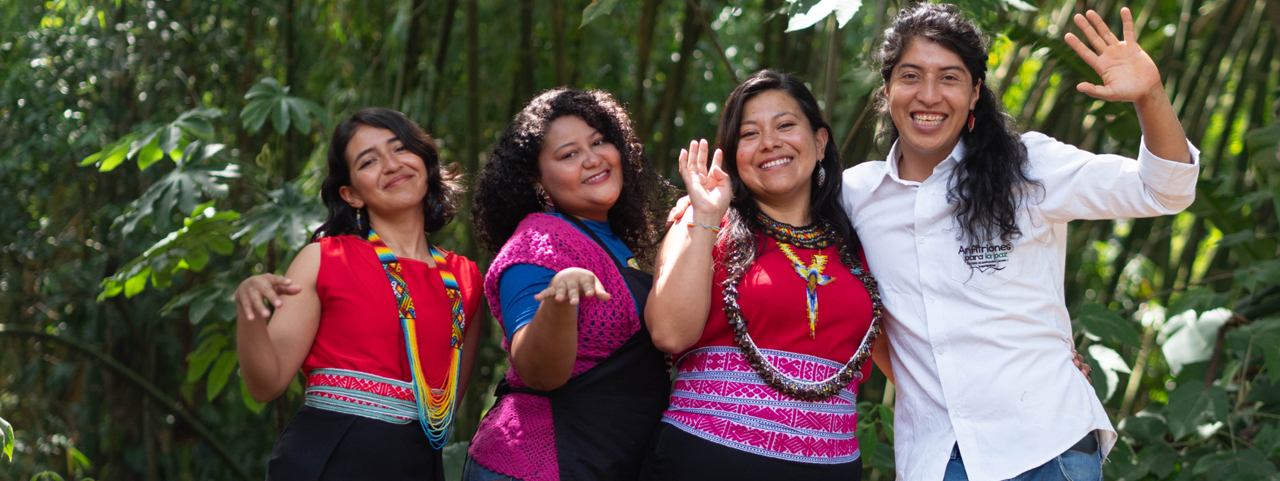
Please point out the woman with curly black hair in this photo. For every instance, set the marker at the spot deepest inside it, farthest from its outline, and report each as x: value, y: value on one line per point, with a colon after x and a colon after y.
x: 566, y: 199
x: 375, y: 317
x: 969, y: 221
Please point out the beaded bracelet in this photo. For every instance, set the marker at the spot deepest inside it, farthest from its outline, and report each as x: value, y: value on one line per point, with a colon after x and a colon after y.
x: 713, y: 228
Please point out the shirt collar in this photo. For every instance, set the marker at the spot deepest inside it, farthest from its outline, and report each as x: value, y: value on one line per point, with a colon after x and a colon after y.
x: 891, y: 164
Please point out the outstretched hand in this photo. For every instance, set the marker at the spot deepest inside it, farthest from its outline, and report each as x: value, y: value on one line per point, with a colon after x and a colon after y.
x: 1128, y: 73
x: 251, y: 294
x: 708, y: 185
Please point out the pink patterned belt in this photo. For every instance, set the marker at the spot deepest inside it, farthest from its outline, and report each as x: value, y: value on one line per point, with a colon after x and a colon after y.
x: 720, y: 398
x: 362, y: 394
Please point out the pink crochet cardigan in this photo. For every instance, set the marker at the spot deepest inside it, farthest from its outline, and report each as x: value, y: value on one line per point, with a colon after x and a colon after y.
x: 517, y: 437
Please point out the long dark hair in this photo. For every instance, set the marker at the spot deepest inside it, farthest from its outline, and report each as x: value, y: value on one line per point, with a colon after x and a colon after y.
x: 504, y: 189
x: 992, y: 182
x: 441, y: 201
x: 824, y: 198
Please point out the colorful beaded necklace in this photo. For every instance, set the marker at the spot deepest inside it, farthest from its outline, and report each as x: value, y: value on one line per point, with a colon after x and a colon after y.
x: 436, y: 405
x: 795, y: 388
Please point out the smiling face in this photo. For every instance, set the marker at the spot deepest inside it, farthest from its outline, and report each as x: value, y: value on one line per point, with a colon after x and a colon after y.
x: 386, y: 176
x: 581, y: 171
x: 930, y: 94
x: 777, y: 148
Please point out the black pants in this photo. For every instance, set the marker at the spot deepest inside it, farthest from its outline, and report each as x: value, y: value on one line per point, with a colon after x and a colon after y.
x: 677, y: 455
x: 326, y: 445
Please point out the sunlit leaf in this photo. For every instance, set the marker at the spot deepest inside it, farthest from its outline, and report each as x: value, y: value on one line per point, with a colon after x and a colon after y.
x: 6, y: 436
x: 1191, y: 405
x: 137, y: 283
x: 268, y: 99
x: 843, y: 10
x: 596, y: 9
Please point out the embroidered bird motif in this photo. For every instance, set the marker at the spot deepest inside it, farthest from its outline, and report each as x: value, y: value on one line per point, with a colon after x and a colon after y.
x: 812, y: 274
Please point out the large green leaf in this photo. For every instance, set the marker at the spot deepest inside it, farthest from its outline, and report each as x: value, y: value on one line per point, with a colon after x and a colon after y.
x: 1259, y: 274
x: 1107, y: 325
x: 1191, y: 405
x: 206, y: 228
x: 150, y: 145
x: 199, y: 361
x: 290, y: 215
x: 182, y: 189
x: 220, y: 373
x: 1243, y: 465
x: 1144, y: 427
x: 269, y: 99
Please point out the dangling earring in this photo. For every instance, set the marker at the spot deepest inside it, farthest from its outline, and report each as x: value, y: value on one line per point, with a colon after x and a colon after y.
x: 972, y: 119
x: 822, y: 175
x: 547, y: 206
x: 359, y: 225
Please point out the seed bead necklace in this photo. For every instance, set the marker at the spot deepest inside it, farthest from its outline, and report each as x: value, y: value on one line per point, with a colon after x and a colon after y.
x: 815, y: 236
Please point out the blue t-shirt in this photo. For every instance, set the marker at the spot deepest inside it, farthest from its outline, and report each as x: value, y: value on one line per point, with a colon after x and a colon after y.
x: 520, y: 282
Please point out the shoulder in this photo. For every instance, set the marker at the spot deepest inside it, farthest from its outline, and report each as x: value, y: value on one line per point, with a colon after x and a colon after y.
x: 865, y: 174
x: 1039, y: 145
x: 461, y: 264
x: 539, y: 233
x: 305, y: 267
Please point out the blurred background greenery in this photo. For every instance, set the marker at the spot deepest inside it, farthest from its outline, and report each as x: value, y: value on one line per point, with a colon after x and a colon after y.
x: 156, y: 153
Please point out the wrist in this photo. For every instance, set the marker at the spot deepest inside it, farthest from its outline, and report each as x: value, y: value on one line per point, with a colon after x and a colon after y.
x: 1154, y: 96
x: 708, y: 218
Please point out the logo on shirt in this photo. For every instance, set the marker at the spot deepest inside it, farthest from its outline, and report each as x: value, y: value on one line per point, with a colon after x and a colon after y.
x: 988, y: 258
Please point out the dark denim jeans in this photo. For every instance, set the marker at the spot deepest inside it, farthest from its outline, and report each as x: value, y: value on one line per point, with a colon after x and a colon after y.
x: 1071, y: 465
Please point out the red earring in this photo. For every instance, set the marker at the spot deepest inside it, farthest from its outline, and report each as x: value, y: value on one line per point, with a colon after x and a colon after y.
x: 971, y: 120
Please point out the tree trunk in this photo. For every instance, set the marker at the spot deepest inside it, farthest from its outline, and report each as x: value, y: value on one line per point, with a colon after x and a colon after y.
x: 408, y: 75
x: 558, y: 60
x: 664, y: 115
x: 644, y: 46
x: 442, y: 54
x: 522, y: 81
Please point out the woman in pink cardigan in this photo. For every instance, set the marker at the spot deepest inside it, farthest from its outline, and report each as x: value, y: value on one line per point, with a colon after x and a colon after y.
x: 566, y: 201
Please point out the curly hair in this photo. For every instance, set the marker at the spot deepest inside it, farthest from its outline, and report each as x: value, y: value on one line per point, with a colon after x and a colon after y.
x: 441, y: 201
x: 504, y: 189
x: 993, y: 182
x: 824, y: 198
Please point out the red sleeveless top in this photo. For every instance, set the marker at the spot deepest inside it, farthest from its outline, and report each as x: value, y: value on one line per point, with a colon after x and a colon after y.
x: 359, y: 322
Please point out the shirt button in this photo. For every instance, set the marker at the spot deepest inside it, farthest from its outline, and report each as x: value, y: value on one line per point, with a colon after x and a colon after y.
x: 920, y: 239
x: 932, y: 299
x: 939, y: 350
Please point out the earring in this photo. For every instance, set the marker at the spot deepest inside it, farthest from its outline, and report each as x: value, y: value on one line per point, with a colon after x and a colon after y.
x: 822, y: 175
x: 972, y: 119
x: 547, y: 206
x: 359, y: 225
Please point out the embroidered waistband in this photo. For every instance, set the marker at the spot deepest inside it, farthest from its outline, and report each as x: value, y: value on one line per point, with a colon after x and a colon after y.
x: 362, y: 394
x: 718, y: 396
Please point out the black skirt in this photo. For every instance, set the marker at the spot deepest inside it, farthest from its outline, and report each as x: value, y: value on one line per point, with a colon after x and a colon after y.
x: 327, y: 445
x: 675, y: 455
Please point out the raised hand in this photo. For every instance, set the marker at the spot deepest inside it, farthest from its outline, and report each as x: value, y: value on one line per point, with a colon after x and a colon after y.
x: 1128, y: 73
x: 571, y: 284
x: 709, y: 189
x: 251, y: 293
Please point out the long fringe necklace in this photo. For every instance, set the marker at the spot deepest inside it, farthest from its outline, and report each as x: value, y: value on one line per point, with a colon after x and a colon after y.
x: 816, y: 236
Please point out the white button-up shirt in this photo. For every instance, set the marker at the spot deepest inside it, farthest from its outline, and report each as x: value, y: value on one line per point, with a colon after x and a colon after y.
x: 981, y: 339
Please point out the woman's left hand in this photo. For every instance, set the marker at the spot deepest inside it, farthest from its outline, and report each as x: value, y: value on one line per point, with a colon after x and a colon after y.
x: 1128, y: 73
x: 1083, y: 366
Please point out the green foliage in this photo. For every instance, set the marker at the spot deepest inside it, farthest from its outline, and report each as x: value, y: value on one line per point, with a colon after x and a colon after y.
x: 268, y: 99
x: 6, y: 437
x: 151, y: 145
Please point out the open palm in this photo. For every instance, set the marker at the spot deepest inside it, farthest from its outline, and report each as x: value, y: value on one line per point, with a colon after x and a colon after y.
x: 1128, y: 73
x: 709, y: 189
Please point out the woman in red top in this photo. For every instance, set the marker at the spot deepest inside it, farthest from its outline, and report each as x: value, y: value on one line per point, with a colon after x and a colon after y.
x: 376, y: 317
x: 770, y: 311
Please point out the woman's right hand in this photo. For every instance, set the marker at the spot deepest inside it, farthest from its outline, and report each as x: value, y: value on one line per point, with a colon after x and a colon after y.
x: 252, y: 292
x: 571, y: 284
x: 708, y: 185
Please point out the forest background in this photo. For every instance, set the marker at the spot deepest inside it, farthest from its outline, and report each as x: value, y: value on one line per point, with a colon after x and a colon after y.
x: 156, y: 153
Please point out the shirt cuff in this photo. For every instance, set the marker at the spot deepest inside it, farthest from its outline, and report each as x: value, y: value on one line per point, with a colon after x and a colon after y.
x: 1166, y: 176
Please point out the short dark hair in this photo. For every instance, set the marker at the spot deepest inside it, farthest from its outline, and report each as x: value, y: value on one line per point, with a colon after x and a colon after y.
x: 441, y: 201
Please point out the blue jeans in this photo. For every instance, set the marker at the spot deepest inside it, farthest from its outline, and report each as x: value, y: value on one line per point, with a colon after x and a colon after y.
x: 1071, y: 465
x: 473, y: 471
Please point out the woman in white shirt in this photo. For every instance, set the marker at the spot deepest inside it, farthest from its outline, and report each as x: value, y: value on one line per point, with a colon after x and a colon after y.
x: 965, y: 228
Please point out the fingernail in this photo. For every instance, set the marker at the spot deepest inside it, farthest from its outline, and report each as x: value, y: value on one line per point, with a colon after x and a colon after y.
x: 278, y: 302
